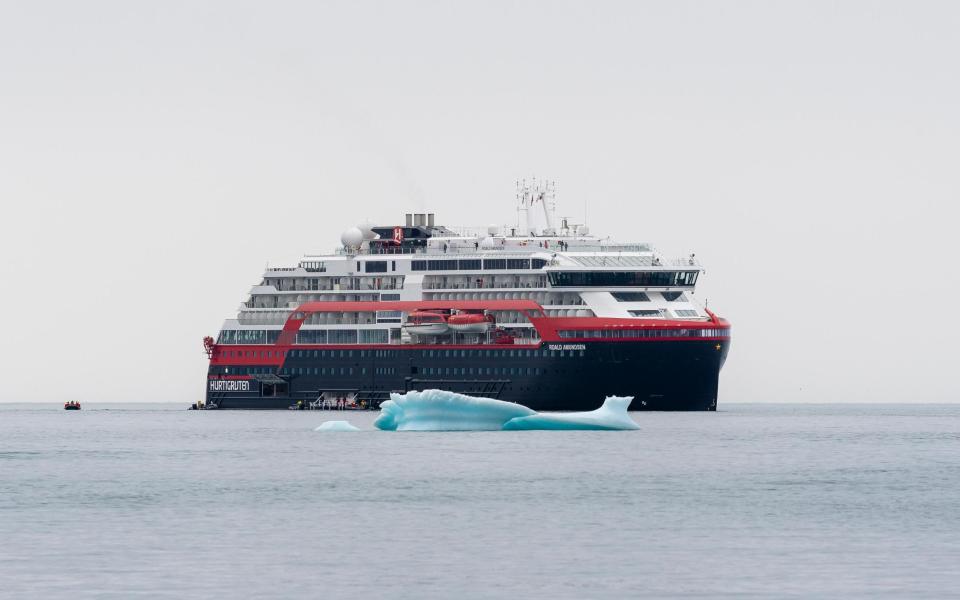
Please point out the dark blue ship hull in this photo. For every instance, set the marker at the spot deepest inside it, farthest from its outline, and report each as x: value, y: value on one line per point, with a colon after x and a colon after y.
x: 660, y: 375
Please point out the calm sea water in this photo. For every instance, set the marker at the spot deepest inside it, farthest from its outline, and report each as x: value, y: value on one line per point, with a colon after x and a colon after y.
x: 752, y: 501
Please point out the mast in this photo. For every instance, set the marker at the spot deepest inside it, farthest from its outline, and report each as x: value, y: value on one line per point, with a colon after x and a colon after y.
x: 542, y: 193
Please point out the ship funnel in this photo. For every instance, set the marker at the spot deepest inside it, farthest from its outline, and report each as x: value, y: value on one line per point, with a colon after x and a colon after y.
x: 430, y: 217
x: 420, y: 219
x: 409, y: 219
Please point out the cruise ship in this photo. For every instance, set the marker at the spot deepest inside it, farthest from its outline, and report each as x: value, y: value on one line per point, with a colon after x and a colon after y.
x: 540, y: 312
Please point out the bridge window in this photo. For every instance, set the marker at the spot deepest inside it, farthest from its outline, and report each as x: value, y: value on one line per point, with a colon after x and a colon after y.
x: 375, y: 266
x: 622, y: 278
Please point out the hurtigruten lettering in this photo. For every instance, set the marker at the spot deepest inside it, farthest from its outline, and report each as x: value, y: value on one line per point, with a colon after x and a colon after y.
x: 226, y: 385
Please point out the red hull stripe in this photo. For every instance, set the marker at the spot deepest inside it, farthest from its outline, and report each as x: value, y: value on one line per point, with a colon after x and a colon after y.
x: 548, y: 328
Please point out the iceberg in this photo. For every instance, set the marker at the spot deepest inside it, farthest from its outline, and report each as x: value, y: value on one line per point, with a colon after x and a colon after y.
x: 337, y: 426
x: 611, y: 416
x: 438, y: 410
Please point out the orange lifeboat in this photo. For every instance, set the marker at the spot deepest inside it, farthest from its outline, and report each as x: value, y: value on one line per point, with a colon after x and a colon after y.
x: 471, y: 322
x: 421, y: 322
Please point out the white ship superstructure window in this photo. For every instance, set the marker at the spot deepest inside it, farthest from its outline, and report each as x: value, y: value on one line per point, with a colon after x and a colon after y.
x: 480, y: 281
x: 337, y: 283
x: 686, y: 312
x: 475, y: 264
x: 374, y: 336
x: 248, y: 336
x: 342, y: 336
x: 652, y: 313
x: 375, y: 266
x: 630, y: 296
x: 251, y: 336
x: 389, y: 316
x: 312, y: 336
x: 313, y: 266
x: 673, y: 296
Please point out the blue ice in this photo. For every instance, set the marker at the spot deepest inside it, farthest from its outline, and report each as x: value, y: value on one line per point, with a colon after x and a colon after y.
x: 611, y: 416
x: 438, y: 410
x: 337, y: 426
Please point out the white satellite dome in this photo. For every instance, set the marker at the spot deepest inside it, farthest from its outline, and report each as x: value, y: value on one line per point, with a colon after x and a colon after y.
x: 493, y: 229
x: 583, y: 230
x: 488, y: 242
x: 366, y: 228
x: 352, y: 238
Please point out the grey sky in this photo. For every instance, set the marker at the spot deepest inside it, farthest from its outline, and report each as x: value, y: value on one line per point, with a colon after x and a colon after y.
x: 154, y: 157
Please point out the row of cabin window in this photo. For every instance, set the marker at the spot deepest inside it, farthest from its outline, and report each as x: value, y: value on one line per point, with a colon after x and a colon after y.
x: 445, y: 371
x: 321, y: 371
x: 445, y: 353
x: 643, y: 333
x: 438, y: 353
x: 248, y: 370
x: 430, y: 371
x: 342, y: 353
x: 512, y: 353
x: 305, y: 353
x: 251, y: 353
x: 475, y: 264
